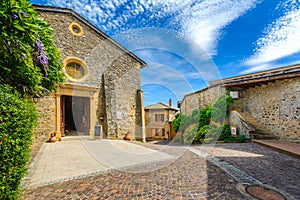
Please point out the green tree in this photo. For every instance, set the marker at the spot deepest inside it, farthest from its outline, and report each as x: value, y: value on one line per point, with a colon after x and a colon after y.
x: 176, y: 122
x: 29, y: 61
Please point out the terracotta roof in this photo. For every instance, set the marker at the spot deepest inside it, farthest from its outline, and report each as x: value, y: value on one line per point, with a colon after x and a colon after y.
x: 83, y: 20
x: 259, y: 78
x: 255, y: 79
x: 160, y: 105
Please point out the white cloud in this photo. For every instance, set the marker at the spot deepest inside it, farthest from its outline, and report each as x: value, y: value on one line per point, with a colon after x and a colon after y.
x: 201, y: 21
x: 280, y: 39
x: 204, y: 21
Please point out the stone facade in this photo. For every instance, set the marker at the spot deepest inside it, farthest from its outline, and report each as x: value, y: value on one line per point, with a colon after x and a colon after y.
x: 271, y: 97
x: 277, y: 106
x: 158, y: 118
x: 111, y: 83
x: 201, y: 99
x: 46, y: 107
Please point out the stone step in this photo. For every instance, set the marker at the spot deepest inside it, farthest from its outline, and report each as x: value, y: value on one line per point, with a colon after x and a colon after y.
x: 260, y: 131
x: 263, y: 137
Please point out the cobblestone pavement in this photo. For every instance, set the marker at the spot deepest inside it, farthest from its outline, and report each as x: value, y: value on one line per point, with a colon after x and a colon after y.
x: 268, y: 166
x: 188, y: 177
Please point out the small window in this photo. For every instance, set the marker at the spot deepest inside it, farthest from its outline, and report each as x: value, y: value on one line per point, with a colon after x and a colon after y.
x: 76, y: 29
x: 159, y: 117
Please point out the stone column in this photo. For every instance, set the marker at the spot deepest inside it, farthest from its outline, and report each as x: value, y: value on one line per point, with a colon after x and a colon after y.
x: 92, y: 116
x: 142, y: 114
x: 58, y: 116
x: 111, y: 111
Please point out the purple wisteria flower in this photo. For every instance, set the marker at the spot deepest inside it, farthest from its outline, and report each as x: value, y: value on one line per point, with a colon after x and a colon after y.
x: 42, y: 59
x: 39, y: 55
x: 24, y: 14
x: 14, y: 16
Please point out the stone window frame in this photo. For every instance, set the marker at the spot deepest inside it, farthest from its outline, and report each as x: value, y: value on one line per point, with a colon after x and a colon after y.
x: 78, y: 61
x: 73, y: 26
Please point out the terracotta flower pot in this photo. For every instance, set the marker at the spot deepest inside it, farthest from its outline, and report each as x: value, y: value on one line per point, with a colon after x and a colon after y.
x: 127, y: 136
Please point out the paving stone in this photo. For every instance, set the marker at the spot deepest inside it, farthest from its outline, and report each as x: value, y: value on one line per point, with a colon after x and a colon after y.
x: 187, y: 177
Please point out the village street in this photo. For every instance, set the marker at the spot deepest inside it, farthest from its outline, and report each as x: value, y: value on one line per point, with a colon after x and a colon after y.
x: 84, y: 168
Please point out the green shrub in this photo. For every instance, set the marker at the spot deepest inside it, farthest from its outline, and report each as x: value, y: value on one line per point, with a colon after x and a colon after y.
x: 17, y: 120
x: 190, y: 134
x: 176, y: 122
x: 225, y: 132
x: 240, y: 138
x: 213, y: 133
x: 200, y: 135
x: 204, y: 116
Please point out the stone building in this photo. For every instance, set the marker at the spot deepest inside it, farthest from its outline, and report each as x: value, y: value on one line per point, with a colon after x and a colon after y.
x: 266, y: 102
x: 158, y: 119
x: 103, y: 81
x: 200, y: 99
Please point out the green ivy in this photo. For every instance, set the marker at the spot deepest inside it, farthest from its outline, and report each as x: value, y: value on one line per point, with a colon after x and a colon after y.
x: 17, y: 120
x: 220, y: 108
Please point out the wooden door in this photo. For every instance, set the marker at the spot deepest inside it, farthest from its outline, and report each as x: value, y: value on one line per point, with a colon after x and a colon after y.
x: 62, y: 115
x: 86, y: 115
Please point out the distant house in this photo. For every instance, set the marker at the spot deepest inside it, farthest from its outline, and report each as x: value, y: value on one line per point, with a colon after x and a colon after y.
x: 158, y: 119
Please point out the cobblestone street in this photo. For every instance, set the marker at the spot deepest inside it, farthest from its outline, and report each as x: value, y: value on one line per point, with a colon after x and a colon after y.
x: 190, y: 176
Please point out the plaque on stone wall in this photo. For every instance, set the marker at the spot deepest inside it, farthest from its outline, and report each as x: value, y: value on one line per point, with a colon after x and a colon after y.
x: 233, y: 131
x: 119, y: 115
x: 234, y: 94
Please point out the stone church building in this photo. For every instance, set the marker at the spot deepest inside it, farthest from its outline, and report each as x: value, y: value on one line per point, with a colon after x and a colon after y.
x: 103, y: 82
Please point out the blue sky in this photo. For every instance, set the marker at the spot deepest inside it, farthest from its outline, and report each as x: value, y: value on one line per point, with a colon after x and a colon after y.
x: 189, y: 43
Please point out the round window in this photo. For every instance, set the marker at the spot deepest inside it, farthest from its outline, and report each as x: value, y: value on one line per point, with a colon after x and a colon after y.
x: 76, y: 29
x: 75, y: 69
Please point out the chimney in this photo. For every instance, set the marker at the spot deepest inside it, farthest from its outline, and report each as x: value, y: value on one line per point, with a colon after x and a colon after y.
x: 170, y: 102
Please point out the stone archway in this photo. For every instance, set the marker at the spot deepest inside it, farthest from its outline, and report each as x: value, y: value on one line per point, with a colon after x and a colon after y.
x: 83, y: 111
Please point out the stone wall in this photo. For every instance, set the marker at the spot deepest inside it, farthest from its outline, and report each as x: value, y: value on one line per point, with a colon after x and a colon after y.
x: 243, y: 128
x: 126, y: 103
x: 277, y: 106
x: 201, y: 99
x: 46, y: 109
